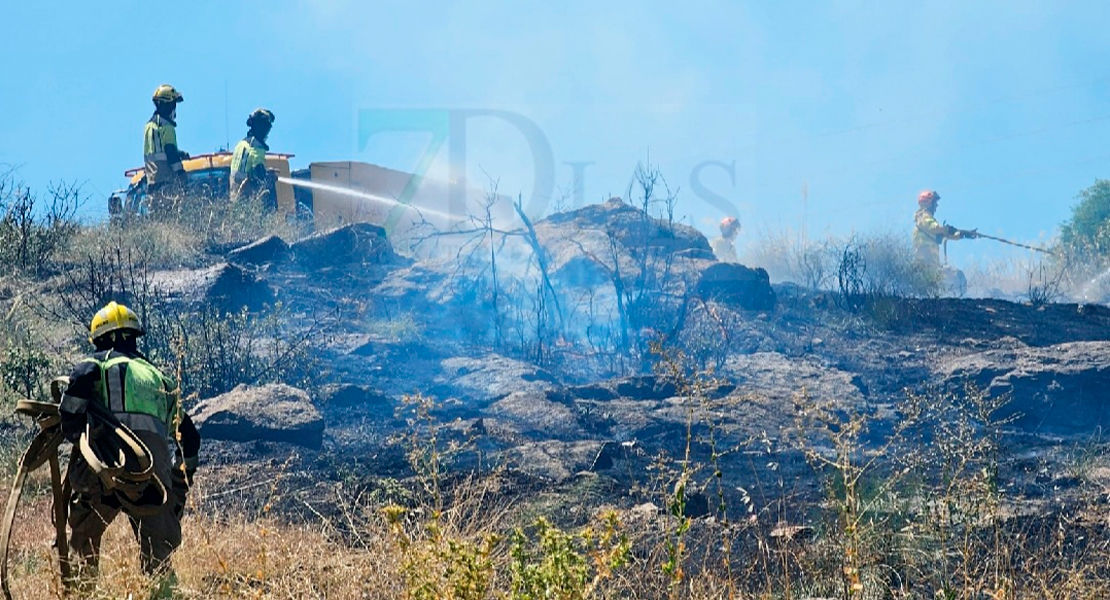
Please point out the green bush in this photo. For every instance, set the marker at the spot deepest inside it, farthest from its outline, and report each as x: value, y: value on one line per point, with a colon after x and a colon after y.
x: 25, y: 368
x: 1089, y: 225
x: 552, y: 563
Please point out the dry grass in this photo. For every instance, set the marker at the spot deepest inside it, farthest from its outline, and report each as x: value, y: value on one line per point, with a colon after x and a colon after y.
x: 478, y: 545
x: 182, y: 237
x: 232, y: 557
x: 155, y: 243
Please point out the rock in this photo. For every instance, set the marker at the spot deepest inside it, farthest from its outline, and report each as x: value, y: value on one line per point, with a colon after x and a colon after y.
x: 274, y: 412
x: 224, y: 286
x: 645, y: 387
x: 531, y: 412
x: 552, y: 460
x: 354, y: 244
x: 420, y: 286
x: 622, y: 419
x: 956, y: 319
x: 1059, y: 388
x: 788, y: 532
x: 592, y: 392
x: 697, y: 503
x: 266, y: 250
x: 477, y: 428
x: 490, y: 378
x: 349, y: 395
x: 779, y: 379
x: 631, y: 227
x: 610, y: 454
x: 737, y: 285
x: 581, y: 271
x: 447, y: 300
x: 577, y: 242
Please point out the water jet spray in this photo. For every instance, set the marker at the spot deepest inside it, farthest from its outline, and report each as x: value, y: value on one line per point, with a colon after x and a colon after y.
x: 368, y: 197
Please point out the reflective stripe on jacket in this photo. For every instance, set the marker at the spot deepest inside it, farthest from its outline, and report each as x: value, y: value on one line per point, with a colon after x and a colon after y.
x: 158, y: 134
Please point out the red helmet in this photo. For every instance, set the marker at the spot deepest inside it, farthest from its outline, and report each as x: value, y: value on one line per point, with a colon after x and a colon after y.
x: 927, y: 196
x: 729, y: 222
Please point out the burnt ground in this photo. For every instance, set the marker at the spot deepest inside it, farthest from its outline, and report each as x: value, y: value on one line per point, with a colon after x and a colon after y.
x: 549, y: 436
x: 758, y: 394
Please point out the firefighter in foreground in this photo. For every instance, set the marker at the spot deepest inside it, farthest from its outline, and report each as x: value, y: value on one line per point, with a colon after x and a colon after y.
x: 248, y: 163
x: 165, y: 175
x: 118, y: 378
x: 928, y: 235
x: 724, y: 246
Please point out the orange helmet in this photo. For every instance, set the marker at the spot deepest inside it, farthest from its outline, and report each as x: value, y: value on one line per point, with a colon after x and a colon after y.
x: 729, y: 223
x: 927, y: 196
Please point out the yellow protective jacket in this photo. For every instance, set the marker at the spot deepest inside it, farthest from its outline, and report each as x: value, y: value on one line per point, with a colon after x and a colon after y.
x: 160, y: 153
x: 248, y: 167
x: 928, y: 235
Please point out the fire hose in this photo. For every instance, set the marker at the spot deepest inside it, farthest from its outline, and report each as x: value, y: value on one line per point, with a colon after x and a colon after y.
x: 1013, y: 243
x: 974, y: 233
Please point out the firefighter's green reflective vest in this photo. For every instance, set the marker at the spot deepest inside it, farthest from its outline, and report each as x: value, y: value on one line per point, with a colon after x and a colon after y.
x: 159, y: 133
x: 249, y: 157
x: 134, y: 386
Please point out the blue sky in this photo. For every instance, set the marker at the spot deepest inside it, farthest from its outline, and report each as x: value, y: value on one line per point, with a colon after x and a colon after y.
x: 1001, y: 106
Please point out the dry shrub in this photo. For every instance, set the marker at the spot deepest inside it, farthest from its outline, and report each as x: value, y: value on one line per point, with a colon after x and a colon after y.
x: 33, y: 229
x: 192, y: 235
x: 884, y: 262
x: 221, y: 224
x: 788, y: 256
x: 160, y: 244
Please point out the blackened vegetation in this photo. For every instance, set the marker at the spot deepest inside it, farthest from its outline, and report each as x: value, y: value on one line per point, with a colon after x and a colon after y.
x: 586, y: 290
x: 33, y: 229
x: 213, y: 328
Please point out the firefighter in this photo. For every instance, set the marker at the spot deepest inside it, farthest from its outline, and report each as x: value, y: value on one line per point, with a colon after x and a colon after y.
x: 165, y: 175
x: 928, y: 234
x: 723, y: 246
x: 248, y: 162
x: 118, y: 378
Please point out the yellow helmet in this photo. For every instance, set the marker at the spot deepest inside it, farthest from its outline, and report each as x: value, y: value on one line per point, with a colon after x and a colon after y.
x: 114, y: 317
x: 166, y: 93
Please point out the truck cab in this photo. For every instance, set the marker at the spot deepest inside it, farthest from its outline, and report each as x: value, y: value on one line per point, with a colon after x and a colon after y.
x: 207, y: 176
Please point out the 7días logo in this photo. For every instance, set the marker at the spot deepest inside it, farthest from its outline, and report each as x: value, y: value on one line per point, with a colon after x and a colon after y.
x: 449, y: 127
